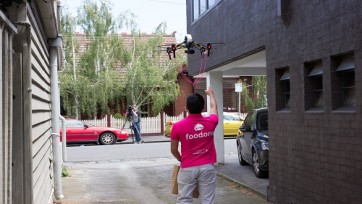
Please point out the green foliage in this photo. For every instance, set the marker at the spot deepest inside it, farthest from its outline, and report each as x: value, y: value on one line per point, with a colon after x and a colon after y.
x: 90, y: 85
x: 90, y: 82
x: 65, y: 172
x: 254, y: 95
x: 118, y: 116
x: 147, y: 79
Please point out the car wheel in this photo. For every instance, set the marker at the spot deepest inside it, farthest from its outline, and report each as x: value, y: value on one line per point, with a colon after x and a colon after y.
x: 258, y: 172
x: 107, y: 138
x: 240, y: 156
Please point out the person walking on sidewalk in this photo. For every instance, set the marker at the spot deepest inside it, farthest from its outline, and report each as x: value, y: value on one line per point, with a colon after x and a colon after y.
x: 198, y: 153
x: 136, y: 124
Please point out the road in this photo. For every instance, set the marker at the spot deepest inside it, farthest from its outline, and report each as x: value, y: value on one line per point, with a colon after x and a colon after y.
x: 121, y: 151
x: 132, y: 173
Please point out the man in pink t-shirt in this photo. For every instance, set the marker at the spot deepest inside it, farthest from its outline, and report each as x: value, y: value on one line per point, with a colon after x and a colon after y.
x: 198, y: 154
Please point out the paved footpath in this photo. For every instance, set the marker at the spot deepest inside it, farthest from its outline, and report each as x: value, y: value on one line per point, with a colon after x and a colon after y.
x: 147, y: 181
x: 137, y: 182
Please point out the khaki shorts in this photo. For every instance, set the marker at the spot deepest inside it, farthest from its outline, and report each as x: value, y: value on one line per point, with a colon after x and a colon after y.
x: 204, y: 176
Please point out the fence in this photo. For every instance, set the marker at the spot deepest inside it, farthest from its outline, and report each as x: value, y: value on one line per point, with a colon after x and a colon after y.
x: 149, y: 125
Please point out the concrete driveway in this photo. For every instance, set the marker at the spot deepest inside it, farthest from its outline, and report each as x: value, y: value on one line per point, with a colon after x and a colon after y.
x: 144, y: 176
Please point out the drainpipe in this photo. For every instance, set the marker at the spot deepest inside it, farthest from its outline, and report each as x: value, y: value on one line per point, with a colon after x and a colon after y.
x: 64, y: 140
x: 55, y: 101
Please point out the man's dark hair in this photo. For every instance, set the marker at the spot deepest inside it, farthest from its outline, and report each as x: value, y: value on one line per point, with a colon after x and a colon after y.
x: 195, y: 103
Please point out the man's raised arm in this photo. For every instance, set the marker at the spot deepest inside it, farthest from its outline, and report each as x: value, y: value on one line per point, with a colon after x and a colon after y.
x: 213, y: 105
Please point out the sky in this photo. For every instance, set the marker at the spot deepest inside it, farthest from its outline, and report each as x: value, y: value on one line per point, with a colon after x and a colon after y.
x: 149, y: 13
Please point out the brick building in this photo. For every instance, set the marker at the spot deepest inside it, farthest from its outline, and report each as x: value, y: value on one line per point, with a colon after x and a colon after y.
x: 186, y: 88
x: 311, y: 54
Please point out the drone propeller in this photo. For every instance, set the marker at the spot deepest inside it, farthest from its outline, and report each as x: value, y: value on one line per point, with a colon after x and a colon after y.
x: 189, y: 45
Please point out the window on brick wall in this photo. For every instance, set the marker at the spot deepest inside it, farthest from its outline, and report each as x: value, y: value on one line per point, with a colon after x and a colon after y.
x: 199, y: 7
x: 282, y: 87
x: 230, y: 100
x: 343, y: 83
x: 313, y: 86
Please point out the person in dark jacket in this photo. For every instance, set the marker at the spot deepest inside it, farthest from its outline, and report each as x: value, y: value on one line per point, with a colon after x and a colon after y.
x: 136, y: 124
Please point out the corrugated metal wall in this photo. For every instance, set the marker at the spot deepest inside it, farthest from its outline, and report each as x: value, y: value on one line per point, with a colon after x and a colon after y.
x: 7, y: 31
x: 41, y: 114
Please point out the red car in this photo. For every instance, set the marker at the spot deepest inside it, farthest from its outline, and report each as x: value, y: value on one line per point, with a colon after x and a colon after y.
x: 79, y: 132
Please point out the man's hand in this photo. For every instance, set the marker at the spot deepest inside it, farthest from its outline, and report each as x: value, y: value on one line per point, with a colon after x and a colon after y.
x: 209, y: 91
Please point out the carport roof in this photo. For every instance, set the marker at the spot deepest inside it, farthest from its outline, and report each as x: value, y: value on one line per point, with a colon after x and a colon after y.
x: 252, y: 65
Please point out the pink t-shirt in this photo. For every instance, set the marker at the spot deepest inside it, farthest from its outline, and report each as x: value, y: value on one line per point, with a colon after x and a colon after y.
x: 196, y: 134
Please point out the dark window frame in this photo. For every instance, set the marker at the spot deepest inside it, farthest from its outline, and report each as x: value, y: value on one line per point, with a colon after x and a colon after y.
x: 282, y: 86
x: 343, y: 82
x: 197, y: 13
x: 313, y: 86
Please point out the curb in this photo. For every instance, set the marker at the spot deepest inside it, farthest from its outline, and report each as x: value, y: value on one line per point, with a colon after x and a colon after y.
x: 145, y: 142
x: 243, y: 185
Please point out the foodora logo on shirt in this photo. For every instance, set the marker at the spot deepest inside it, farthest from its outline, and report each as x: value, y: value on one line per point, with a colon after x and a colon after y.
x: 198, y: 127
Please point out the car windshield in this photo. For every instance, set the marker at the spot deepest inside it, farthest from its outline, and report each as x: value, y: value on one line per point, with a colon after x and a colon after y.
x: 75, y: 124
x: 226, y: 116
x: 263, y: 121
x: 231, y: 117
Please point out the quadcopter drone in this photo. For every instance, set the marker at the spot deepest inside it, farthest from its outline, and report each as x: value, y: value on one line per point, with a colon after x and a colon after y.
x: 189, y: 45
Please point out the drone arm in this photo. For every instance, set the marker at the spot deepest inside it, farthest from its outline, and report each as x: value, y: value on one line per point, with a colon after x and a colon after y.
x: 180, y: 46
x: 197, y: 45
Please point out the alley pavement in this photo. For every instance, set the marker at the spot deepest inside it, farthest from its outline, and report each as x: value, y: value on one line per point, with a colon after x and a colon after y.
x: 78, y: 188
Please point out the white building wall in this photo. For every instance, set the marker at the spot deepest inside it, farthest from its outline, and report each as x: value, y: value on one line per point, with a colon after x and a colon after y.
x: 215, y: 81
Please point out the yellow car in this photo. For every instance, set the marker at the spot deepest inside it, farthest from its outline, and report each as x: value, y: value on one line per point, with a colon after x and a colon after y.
x: 232, y: 122
x: 168, y: 127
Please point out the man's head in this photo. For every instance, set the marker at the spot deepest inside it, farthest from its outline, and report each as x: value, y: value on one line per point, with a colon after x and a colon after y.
x: 195, y: 103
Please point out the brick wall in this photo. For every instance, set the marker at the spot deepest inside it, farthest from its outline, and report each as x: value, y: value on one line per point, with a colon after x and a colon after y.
x: 315, y: 156
x: 185, y: 90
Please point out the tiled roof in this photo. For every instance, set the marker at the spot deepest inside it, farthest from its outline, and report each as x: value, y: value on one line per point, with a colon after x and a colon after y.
x: 83, y: 41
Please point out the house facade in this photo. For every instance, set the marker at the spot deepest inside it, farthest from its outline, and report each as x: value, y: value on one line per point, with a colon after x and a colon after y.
x: 184, y: 80
x: 176, y: 107
x: 310, y: 52
x: 30, y: 170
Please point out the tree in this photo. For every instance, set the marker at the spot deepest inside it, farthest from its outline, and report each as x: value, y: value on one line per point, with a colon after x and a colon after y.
x: 90, y: 83
x: 68, y: 76
x: 95, y: 84
x: 151, y: 78
x: 254, y: 94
